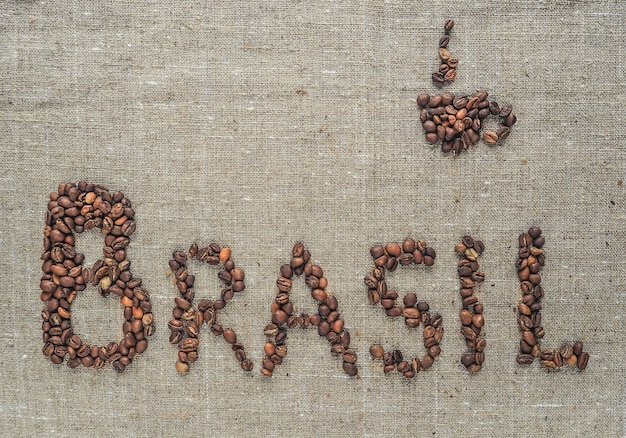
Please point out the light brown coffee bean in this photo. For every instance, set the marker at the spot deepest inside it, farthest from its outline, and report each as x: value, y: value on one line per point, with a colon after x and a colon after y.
x: 444, y: 54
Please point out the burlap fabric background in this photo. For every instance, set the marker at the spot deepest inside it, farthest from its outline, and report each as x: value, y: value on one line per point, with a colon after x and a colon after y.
x: 260, y: 123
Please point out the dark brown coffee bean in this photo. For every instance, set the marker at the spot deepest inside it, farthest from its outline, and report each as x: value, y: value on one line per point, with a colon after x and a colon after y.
x: 534, y: 232
x: 319, y: 295
x: 403, y: 366
x: 279, y: 317
x: 429, y: 126
x: 510, y: 120
x: 229, y: 336
x: 505, y: 110
x: 435, y: 101
x: 350, y: 369
x: 405, y: 259
x: 577, y: 348
x: 422, y: 100
x: 411, y: 312
x: 426, y: 362
x: 469, y: 301
x: 478, y: 320
x: 494, y: 108
x: 298, y: 249
x: 377, y: 251
x: 392, y: 264
x: 479, y: 357
x: 583, y: 360
x: 467, y: 359
x: 468, y: 333
x: 466, y: 317
x: 448, y: 25
x: 394, y: 311
x: 350, y: 356
x: 524, y: 359
x: 432, y: 137
x: 446, y: 99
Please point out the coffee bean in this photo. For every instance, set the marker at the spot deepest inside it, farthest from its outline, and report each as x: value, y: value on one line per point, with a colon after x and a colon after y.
x: 505, y: 111
x: 377, y: 351
x: 490, y: 137
x: 229, y: 336
x: 450, y: 75
x: 444, y: 54
x: 583, y: 360
x: 182, y: 367
x: 577, y: 348
x: 422, y: 100
x: 350, y: 369
x: 524, y: 359
x: 566, y: 351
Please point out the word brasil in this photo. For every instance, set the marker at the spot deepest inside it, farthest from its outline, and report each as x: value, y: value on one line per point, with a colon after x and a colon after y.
x: 74, y: 208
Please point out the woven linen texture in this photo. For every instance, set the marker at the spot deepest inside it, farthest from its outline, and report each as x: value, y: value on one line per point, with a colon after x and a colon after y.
x: 257, y: 124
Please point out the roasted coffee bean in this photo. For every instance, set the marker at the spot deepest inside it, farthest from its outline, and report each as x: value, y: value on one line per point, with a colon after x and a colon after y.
x: 524, y: 359
x: 505, y: 111
x: 450, y: 75
x: 229, y: 336
x: 490, y: 137
x: 566, y: 351
x: 583, y: 360
x: 577, y: 349
x: 444, y: 54
x: 422, y: 100
x: 377, y: 351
